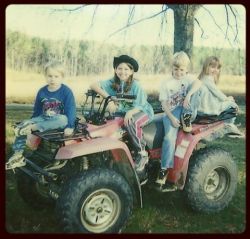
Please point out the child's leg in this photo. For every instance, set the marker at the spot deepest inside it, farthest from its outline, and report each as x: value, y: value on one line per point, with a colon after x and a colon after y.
x: 36, y: 123
x: 193, y: 105
x: 135, y: 130
x: 169, y: 141
x: 136, y: 135
x: 54, y: 122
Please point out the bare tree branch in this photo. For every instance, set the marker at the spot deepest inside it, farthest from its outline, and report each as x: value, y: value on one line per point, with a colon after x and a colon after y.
x: 215, y: 22
x: 69, y: 10
x: 92, y: 19
x: 201, y: 28
x: 227, y: 19
x: 131, y: 14
x: 134, y: 23
x: 235, y: 19
x: 164, y: 19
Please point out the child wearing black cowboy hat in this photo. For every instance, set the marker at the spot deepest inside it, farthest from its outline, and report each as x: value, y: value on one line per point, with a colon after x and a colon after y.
x: 137, y: 113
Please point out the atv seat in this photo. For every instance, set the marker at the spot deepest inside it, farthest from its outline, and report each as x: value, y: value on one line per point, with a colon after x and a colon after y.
x: 154, y: 132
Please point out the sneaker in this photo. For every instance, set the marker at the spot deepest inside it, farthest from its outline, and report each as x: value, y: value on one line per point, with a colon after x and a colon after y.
x: 162, y: 177
x: 186, y: 122
x: 141, y: 161
x: 17, y: 160
x: 168, y: 187
x: 233, y: 131
x: 24, y: 130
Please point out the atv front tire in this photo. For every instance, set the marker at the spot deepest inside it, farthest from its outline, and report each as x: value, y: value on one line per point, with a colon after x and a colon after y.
x: 96, y: 201
x: 211, y: 180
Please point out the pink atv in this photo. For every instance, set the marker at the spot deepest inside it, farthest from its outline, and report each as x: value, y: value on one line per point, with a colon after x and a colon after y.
x: 91, y: 175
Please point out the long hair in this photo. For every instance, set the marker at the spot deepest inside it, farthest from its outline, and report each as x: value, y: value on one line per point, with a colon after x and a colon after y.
x: 117, y: 82
x: 210, y: 61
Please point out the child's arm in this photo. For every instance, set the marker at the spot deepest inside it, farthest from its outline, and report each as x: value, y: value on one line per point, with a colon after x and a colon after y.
x: 97, y: 88
x: 112, y: 107
x: 70, y: 112
x: 195, y: 86
x: 165, y: 106
x: 37, y: 109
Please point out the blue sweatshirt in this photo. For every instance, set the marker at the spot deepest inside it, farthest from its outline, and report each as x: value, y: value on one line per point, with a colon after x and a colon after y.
x: 61, y: 101
x: 140, y: 102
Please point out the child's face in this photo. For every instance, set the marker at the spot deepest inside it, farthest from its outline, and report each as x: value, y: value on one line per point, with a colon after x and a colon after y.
x: 54, y: 78
x: 213, y: 70
x: 179, y: 72
x: 123, y: 72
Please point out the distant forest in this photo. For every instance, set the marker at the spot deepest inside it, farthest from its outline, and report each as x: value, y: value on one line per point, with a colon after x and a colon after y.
x: 26, y: 53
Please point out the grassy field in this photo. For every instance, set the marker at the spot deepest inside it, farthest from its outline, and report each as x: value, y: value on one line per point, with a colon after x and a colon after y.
x: 31, y: 82
x: 162, y: 213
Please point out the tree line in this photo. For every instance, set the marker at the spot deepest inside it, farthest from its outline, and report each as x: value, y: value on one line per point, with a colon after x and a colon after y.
x: 27, y: 53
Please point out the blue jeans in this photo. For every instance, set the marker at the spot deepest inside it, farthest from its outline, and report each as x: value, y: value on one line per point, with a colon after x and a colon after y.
x: 43, y: 123
x: 169, y: 141
x: 168, y: 145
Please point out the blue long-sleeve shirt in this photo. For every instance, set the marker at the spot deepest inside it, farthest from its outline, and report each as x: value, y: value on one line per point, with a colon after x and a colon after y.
x: 141, y: 97
x: 61, y: 101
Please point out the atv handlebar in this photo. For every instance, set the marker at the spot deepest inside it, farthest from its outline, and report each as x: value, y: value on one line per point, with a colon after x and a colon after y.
x: 98, y: 117
x: 121, y: 96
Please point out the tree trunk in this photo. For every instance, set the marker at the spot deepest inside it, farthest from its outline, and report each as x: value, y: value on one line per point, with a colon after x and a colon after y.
x: 184, y: 27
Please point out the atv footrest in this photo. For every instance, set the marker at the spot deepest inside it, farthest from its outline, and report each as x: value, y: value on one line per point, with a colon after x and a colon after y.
x: 36, y: 169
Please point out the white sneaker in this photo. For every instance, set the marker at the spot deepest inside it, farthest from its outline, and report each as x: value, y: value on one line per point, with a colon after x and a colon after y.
x: 24, y: 130
x: 233, y: 131
x: 17, y: 160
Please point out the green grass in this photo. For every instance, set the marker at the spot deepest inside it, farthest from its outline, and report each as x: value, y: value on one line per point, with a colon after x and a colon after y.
x: 162, y: 213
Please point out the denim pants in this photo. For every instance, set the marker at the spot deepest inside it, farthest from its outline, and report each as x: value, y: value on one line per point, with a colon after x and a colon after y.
x: 43, y: 123
x: 169, y: 141
x: 168, y: 145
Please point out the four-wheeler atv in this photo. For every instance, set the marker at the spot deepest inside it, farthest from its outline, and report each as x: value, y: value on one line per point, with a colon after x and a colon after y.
x: 91, y: 177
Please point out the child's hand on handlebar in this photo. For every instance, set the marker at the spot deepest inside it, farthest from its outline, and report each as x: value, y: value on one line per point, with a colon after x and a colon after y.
x: 128, y: 118
x: 112, y: 107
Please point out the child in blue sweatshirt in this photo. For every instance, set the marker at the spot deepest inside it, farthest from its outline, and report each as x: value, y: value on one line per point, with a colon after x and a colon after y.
x: 54, y: 108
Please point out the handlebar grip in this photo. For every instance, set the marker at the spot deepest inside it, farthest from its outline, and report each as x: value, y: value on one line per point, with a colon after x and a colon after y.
x: 126, y: 96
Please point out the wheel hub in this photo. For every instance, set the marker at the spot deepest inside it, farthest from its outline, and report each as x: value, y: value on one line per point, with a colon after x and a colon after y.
x: 216, y: 183
x: 100, y: 210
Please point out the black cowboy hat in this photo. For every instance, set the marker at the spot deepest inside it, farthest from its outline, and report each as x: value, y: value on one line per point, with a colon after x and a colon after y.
x: 126, y: 59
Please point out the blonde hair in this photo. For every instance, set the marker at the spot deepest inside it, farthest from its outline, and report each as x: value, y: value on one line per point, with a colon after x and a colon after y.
x: 181, y: 59
x: 210, y: 61
x: 57, y: 65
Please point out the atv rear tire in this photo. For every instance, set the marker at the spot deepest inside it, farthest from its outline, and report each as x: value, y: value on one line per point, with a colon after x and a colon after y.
x: 33, y: 194
x: 211, y: 181
x: 96, y: 201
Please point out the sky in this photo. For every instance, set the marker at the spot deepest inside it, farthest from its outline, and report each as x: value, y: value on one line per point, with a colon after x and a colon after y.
x: 100, y: 22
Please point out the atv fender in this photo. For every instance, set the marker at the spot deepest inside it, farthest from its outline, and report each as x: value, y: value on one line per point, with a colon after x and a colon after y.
x: 185, y: 146
x: 92, y: 146
x: 119, y: 150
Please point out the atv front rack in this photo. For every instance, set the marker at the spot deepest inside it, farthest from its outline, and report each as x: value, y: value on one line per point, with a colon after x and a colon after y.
x: 57, y: 135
